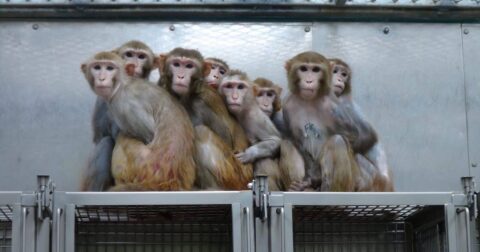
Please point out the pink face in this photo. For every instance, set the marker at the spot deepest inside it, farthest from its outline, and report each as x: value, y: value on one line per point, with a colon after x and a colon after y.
x: 138, y: 58
x: 216, y: 75
x: 235, y: 91
x: 265, y: 98
x: 310, y: 76
x: 339, y: 79
x: 182, y: 70
x: 103, y: 78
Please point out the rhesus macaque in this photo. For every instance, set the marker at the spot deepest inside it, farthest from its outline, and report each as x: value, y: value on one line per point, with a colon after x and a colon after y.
x: 152, y: 117
x: 98, y: 175
x: 218, y: 136
x: 219, y: 69
x: 290, y: 162
x: 262, y: 134
x: 326, y: 133
x: 374, y: 170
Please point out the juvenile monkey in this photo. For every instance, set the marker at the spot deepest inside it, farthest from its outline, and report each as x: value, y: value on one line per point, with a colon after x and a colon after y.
x: 152, y: 117
x: 182, y: 74
x: 98, y: 175
x: 291, y: 164
x: 375, y: 172
x: 326, y: 133
x: 219, y: 69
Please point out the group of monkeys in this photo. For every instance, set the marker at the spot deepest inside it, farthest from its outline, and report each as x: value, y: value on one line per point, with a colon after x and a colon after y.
x: 204, y: 126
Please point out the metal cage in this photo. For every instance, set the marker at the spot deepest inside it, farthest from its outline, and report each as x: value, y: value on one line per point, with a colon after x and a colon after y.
x: 174, y: 221
x: 397, y: 222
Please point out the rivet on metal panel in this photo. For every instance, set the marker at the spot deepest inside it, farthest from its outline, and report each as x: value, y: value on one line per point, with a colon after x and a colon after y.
x: 457, y: 1
x: 474, y: 165
x: 466, y: 31
x: 35, y: 26
x: 172, y: 28
x: 386, y: 30
x: 307, y: 29
x: 278, y: 211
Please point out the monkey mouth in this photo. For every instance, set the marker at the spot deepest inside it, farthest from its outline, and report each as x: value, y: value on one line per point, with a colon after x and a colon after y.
x: 234, y: 105
x: 213, y: 84
x: 181, y: 85
x: 338, y: 87
x: 308, y: 89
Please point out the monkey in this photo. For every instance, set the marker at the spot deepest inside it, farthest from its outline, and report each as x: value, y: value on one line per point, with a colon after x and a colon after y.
x: 164, y: 149
x: 219, y: 69
x: 264, y: 138
x: 291, y: 164
x: 375, y: 172
x: 183, y: 74
x: 326, y: 133
x: 98, y: 174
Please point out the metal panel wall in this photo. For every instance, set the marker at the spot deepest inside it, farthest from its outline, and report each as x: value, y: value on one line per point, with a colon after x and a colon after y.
x: 409, y: 82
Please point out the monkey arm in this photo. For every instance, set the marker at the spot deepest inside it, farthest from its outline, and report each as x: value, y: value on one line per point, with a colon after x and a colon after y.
x: 263, y: 149
x: 279, y: 122
x: 351, y: 125
x: 218, y: 120
x: 100, y: 124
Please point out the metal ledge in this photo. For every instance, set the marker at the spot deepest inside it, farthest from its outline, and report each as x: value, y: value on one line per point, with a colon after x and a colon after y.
x: 240, y: 12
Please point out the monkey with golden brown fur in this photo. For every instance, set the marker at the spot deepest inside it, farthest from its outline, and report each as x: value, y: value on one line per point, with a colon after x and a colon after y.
x: 98, y: 175
x: 153, y: 118
x: 182, y: 74
x: 326, y: 133
x: 218, y: 70
x: 375, y: 172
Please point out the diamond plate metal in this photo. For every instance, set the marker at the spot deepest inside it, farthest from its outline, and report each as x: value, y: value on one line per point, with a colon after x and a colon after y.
x: 409, y: 81
x: 46, y: 104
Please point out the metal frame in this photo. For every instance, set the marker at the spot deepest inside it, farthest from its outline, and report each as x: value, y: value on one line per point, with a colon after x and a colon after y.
x: 457, y: 218
x: 65, y: 203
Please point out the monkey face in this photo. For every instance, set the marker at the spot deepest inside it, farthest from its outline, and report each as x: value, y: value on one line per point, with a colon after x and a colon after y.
x: 103, y: 78
x: 138, y: 58
x: 182, y: 70
x: 340, y: 77
x: 265, y: 98
x: 235, y: 91
x: 310, y: 77
x: 217, y: 72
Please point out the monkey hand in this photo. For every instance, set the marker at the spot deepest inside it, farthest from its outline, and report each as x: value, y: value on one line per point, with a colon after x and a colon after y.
x: 299, y: 186
x: 248, y: 156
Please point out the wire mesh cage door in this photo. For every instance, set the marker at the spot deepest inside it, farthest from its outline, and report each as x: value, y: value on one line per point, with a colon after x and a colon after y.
x: 331, y: 222
x: 154, y: 222
x: 17, y: 224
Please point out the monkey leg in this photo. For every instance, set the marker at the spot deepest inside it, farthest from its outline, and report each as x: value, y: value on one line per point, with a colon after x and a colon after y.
x: 269, y: 167
x: 338, y: 166
x: 217, y: 166
x: 367, y: 172
x: 98, y: 175
x: 382, y: 181
x: 291, y: 164
x: 140, y: 167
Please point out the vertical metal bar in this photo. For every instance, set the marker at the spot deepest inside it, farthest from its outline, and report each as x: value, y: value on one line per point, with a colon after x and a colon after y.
x: 69, y: 226
x: 236, y: 227
x: 247, y: 217
x: 17, y: 233
x: 450, y: 226
x: 24, y: 228
x: 467, y: 223
x: 288, y: 223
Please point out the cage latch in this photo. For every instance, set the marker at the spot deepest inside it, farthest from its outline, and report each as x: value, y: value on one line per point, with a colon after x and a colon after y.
x: 469, y: 190
x: 44, y: 195
x: 260, y: 193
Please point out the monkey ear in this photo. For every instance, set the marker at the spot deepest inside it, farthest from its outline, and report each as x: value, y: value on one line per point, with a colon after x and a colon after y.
x: 83, y: 67
x: 159, y: 62
x: 287, y: 65
x: 255, y: 90
x: 278, y: 90
x: 207, y: 67
x: 130, y: 69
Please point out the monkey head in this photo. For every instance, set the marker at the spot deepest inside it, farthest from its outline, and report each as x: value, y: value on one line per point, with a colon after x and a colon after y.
x: 219, y: 69
x: 309, y: 75
x: 341, y: 77
x: 140, y: 55
x: 182, y: 71
x: 267, y: 95
x: 236, y: 90
x: 105, y: 72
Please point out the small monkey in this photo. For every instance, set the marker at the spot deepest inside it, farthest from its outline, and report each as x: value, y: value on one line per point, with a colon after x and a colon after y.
x: 219, y: 69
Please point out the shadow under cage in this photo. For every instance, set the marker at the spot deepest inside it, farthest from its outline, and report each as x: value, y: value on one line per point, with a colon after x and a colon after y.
x: 369, y: 228
x: 154, y: 228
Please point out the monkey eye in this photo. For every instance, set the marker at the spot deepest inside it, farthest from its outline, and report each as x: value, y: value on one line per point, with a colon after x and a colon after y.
x: 176, y: 64
x: 213, y: 66
x: 189, y: 66
x: 269, y: 94
x: 97, y: 67
x: 303, y: 68
x: 335, y: 71
x: 142, y: 56
x: 129, y: 54
x: 316, y: 69
x: 344, y: 74
x: 110, y: 68
x: 222, y: 71
x: 228, y: 86
x: 241, y: 86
